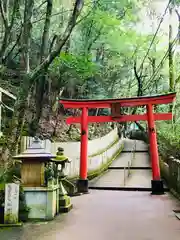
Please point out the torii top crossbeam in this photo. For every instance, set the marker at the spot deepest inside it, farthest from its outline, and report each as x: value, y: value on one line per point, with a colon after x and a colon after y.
x: 117, y: 104
x: 124, y: 102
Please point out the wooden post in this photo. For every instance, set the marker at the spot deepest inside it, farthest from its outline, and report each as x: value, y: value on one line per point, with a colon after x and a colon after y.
x: 157, y: 184
x: 82, y: 183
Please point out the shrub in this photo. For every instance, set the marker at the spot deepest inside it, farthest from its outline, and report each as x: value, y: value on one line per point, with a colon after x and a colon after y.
x: 169, y: 140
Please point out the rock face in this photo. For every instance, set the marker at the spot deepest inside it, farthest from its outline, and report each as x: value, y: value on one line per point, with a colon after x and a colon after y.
x: 57, y: 129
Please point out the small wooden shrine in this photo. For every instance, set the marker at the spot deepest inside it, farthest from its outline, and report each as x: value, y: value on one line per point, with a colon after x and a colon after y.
x: 34, y: 159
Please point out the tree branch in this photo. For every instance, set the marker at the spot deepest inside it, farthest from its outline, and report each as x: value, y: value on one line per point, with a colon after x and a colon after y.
x: 15, y: 7
x: 178, y: 15
x: 4, y: 14
x: 8, y: 26
x: 15, y: 44
x: 6, y: 9
x: 139, y: 92
x: 26, y: 36
x: 45, y: 36
x: 53, y: 15
x: 40, y: 83
x: 72, y: 22
x: 53, y: 42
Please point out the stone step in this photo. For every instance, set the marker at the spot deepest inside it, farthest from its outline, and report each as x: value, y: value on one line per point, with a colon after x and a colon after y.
x: 131, y: 168
x: 137, y: 151
x: 142, y: 189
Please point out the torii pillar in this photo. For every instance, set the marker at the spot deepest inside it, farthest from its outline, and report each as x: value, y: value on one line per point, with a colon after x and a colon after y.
x: 82, y: 183
x: 156, y: 182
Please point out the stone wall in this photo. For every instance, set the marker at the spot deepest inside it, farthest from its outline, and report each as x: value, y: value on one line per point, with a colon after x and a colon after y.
x: 100, y: 151
x: 72, y: 149
x: 170, y: 171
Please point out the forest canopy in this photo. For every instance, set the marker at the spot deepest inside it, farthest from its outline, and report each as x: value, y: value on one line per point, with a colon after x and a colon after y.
x: 83, y: 49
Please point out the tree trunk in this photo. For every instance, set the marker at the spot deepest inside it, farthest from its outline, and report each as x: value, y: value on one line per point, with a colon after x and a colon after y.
x: 171, y: 53
x: 8, y: 23
x: 40, y: 84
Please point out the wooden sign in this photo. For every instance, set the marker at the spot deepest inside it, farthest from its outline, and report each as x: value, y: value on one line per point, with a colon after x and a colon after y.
x: 11, y: 208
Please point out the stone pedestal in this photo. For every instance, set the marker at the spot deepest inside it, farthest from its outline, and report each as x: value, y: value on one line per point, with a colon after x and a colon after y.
x: 65, y: 204
x: 43, y: 202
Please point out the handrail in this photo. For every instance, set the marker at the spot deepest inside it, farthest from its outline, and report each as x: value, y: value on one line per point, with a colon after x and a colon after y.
x: 124, y: 176
x: 128, y: 168
x: 133, y: 153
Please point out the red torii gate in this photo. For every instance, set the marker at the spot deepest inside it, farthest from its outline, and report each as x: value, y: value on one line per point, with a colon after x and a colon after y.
x: 116, y: 116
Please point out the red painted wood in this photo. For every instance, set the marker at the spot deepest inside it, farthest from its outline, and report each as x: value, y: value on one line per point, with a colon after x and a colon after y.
x: 153, y: 144
x: 125, y: 102
x: 123, y: 118
x: 84, y: 144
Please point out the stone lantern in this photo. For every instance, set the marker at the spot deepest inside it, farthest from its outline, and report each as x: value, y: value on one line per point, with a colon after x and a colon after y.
x: 60, y: 161
x: 42, y: 198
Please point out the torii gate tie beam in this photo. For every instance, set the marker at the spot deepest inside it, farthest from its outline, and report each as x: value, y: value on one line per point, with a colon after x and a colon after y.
x: 116, y: 116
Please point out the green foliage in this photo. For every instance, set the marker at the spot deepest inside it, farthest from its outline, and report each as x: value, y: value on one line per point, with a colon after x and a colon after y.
x: 23, y: 209
x: 169, y: 139
x: 81, y: 65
